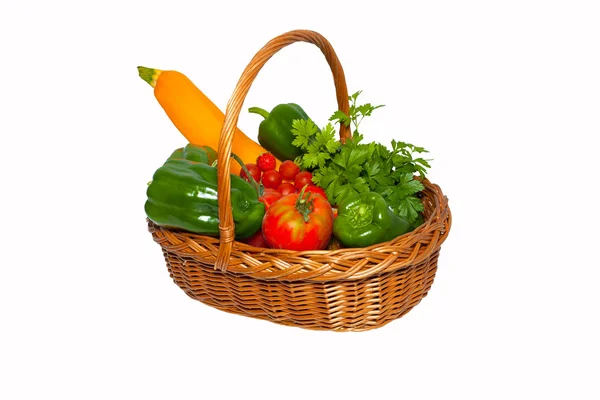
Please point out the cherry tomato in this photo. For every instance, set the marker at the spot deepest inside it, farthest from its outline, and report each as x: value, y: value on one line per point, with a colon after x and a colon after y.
x: 286, y: 188
x: 315, y: 189
x: 254, y: 171
x: 271, y: 179
x: 303, y: 178
x: 269, y: 197
x: 289, y: 170
x: 298, y: 223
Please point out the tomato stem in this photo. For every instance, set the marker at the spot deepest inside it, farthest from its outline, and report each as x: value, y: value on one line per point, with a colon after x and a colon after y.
x: 304, y: 205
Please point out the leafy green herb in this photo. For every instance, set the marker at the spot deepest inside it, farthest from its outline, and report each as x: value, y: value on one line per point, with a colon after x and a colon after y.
x: 318, y: 144
x: 357, y: 167
x: 356, y: 112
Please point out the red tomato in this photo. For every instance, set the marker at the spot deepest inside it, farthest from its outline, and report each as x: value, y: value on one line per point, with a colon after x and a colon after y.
x: 267, y: 191
x: 271, y: 179
x: 303, y: 178
x: 256, y: 240
x: 254, y: 171
x: 298, y: 223
x: 269, y: 197
x: 286, y: 188
x: 315, y: 189
x: 288, y: 170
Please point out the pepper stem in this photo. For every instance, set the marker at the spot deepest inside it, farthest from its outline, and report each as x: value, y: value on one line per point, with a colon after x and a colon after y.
x: 150, y: 75
x: 260, y: 111
x: 260, y: 189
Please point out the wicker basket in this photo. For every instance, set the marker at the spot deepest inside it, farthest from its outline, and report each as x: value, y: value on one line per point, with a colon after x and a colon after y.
x: 339, y: 290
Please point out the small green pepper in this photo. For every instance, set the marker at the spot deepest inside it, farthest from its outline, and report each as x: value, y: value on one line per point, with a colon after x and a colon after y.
x: 275, y: 132
x: 365, y: 219
x: 183, y: 194
x: 194, y: 152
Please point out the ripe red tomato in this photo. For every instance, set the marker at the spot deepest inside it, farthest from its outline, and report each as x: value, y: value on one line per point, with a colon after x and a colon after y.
x: 256, y: 240
x: 315, y: 189
x: 269, y: 197
x: 303, y: 178
x: 271, y: 179
x: 288, y: 170
x: 254, y: 171
x: 298, y: 223
x: 286, y: 188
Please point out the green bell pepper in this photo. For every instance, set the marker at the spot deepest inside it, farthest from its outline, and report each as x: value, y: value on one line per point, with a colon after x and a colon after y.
x: 275, y: 132
x: 183, y: 194
x: 194, y: 152
x: 364, y: 219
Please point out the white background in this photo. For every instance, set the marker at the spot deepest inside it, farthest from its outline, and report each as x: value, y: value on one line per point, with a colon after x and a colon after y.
x: 505, y: 95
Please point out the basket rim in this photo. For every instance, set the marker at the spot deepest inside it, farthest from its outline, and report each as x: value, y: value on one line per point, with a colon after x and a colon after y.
x: 403, y: 252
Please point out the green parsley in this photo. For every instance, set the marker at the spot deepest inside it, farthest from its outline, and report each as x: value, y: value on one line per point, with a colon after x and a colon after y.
x: 356, y: 113
x: 318, y: 144
x: 357, y: 167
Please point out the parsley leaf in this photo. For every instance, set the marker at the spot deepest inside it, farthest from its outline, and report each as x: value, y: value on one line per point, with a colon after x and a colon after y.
x: 303, y: 130
x: 409, y: 208
x: 319, y: 144
x: 356, y: 112
x: 340, y: 117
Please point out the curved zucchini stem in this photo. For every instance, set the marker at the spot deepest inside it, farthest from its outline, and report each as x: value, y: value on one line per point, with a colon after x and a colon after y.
x: 150, y: 75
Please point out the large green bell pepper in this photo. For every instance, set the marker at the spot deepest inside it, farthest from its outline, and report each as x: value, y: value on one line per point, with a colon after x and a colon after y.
x: 183, y: 194
x: 275, y: 132
x: 365, y: 219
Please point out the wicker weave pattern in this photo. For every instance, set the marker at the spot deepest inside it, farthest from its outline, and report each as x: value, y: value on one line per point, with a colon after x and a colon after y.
x: 341, y: 290
x: 337, y: 305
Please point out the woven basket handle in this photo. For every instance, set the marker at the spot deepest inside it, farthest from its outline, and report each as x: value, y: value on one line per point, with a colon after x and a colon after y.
x: 232, y: 113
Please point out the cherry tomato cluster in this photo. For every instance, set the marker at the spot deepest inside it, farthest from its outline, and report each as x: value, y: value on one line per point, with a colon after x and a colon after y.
x: 280, y: 228
x: 278, y: 183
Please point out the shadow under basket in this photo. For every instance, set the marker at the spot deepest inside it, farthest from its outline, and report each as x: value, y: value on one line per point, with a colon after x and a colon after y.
x: 349, y: 289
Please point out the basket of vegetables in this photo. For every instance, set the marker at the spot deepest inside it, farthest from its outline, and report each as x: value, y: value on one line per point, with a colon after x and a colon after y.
x: 311, y: 227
